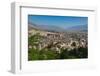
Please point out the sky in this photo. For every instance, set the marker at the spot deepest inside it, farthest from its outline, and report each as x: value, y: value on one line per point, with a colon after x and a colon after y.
x: 59, y: 21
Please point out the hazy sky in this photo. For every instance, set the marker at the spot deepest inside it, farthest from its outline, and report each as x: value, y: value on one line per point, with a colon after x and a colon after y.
x: 59, y: 21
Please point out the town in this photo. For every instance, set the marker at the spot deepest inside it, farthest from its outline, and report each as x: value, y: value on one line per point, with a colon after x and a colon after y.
x: 56, y: 41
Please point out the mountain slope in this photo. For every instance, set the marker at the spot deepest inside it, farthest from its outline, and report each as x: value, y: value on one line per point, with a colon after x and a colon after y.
x: 78, y: 28
x: 53, y: 28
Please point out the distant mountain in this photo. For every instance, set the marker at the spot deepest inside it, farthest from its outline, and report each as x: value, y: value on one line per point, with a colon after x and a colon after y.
x: 45, y: 27
x: 83, y: 28
x: 52, y: 28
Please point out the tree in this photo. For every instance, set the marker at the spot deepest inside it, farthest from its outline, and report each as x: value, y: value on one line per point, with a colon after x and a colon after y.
x: 34, y: 40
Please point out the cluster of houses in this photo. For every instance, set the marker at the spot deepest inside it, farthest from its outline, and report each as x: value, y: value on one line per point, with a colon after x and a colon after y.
x: 57, y: 40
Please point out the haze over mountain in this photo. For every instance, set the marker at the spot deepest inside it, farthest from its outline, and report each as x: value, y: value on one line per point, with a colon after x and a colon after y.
x: 45, y: 27
x: 82, y: 28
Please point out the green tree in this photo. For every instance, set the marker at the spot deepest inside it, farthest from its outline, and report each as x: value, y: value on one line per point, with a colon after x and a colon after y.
x: 34, y: 40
